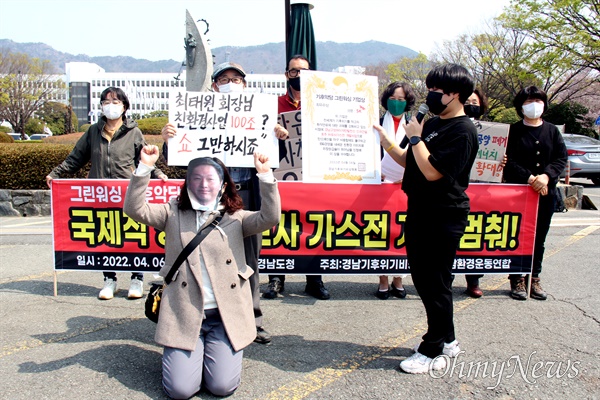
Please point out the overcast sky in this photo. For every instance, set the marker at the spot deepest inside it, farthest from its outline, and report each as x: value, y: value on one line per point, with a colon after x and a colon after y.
x: 154, y: 29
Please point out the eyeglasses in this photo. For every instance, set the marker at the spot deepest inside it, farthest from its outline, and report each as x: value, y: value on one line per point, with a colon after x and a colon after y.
x: 225, y: 80
x: 293, y: 73
x: 107, y: 102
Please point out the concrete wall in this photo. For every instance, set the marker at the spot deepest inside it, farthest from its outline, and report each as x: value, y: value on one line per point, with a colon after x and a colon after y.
x: 24, y: 203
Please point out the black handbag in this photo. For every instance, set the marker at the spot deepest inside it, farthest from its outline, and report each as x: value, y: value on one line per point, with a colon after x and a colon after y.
x: 152, y: 304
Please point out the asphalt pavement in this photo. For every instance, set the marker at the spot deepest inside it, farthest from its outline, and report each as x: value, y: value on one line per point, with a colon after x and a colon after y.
x: 348, y: 347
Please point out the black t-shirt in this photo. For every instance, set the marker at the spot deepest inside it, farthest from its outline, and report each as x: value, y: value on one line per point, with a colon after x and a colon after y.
x: 453, y: 146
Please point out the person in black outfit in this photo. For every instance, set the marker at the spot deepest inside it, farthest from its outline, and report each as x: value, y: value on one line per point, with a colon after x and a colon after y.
x: 536, y: 155
x: 437, y: 168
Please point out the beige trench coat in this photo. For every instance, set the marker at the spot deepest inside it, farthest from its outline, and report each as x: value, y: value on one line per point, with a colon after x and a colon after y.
x: 181, y: 310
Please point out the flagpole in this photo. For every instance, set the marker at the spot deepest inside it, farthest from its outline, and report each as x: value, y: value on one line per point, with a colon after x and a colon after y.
x: 287, y: 30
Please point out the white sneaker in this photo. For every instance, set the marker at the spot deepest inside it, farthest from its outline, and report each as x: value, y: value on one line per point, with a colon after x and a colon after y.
x: 450, y: 349
x: 136, y: 289
x: 109, y: 289
x: 421, y: 364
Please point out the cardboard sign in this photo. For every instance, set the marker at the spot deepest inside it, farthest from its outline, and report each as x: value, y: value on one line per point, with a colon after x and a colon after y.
x: 338, y: 114
x: 493, y: 138
x: 229, y: 126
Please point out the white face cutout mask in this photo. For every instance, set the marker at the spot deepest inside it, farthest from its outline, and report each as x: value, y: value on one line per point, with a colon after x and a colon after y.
x: 533, y: 110
x: 112, y: 111
x: 200, y: 207
x: 231, y: 87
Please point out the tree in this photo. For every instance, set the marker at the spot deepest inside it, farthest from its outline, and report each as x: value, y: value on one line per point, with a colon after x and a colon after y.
x: 55, y: 115
x: 568, y: 30
x: 157, y: 114
x: 380, y: 71
x: 26, y: 84
x: 573, y: 116
x: 503, y: 60
x: 411, y: 70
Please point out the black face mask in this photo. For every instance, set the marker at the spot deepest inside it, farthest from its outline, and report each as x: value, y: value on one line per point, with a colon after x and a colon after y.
x: 434, y: 102
x: 473, y: 111
x: 295, y: 83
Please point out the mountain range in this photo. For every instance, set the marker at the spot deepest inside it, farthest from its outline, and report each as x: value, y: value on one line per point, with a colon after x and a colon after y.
x: 262, y: 59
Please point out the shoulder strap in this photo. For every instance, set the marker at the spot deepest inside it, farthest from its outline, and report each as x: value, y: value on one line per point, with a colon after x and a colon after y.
x: 190, y: 247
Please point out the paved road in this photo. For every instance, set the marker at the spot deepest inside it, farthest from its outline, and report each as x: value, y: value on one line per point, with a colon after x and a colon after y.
x: 348, y: 347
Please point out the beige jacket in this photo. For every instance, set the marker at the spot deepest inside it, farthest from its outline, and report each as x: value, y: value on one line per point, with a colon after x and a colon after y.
x: 181, y: 310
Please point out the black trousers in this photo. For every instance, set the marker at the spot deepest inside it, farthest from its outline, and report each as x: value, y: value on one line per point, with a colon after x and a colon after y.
x: 432, y: 238
x: 546, y: 207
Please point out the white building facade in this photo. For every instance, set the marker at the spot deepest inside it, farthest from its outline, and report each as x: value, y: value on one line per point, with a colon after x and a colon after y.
x: 146, y: 91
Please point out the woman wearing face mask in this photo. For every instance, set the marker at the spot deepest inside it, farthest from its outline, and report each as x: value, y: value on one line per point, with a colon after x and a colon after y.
x: 536, y: 156
x: 113, y: 147
x: 206, y: 317
x: 475, y: 107
x: 397, y: 99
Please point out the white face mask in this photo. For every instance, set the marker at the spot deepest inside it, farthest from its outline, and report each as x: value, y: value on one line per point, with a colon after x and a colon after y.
x: 533, y: 110
x: 231, y: 87
x: 112, y: 111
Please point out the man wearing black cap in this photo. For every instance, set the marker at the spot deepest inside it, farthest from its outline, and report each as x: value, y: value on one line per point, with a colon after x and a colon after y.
x: 229, y: 77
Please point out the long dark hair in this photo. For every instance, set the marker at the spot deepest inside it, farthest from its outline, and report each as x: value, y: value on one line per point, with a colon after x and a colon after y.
x: 230, y: 199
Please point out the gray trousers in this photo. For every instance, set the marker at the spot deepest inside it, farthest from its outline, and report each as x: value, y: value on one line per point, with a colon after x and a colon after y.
x: 214, y: 361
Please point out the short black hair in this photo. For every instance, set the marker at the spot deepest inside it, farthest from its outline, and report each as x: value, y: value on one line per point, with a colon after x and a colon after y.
x: 451, y: 78
x: 409, y: 94
x: 118, y: 93
x: 297, y: 57
x: 530, y: 92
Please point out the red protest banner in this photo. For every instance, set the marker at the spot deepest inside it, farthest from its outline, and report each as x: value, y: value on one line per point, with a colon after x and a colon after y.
x: 91, y: 232
x: 357, y: 229
x: 346, y: 229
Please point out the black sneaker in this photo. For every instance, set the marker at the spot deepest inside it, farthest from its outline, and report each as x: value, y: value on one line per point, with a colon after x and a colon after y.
x: 275, y: 287
x: 317, y: 290
x: 262, y: 336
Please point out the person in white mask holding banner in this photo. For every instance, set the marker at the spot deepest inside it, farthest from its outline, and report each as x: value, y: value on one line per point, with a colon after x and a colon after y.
x: 113, y: 147
x: 397, y: 99
x: 536, y: 155
x: 206, y: 318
